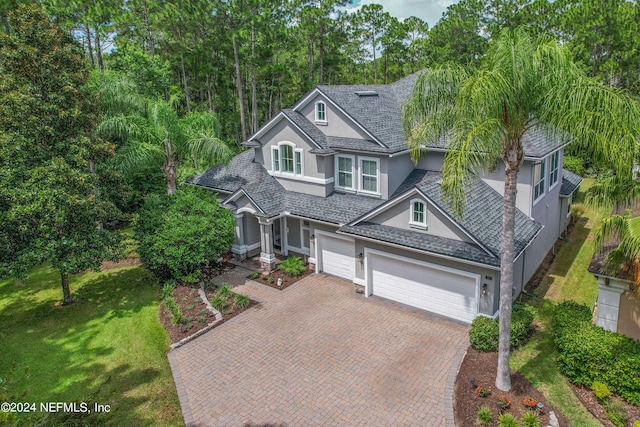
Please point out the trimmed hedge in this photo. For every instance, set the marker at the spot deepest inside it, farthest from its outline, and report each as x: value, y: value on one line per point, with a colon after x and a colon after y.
x: 485, y: 332
x: 588, y: 353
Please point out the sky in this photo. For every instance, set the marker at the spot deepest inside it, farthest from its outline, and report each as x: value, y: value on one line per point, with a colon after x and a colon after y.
x: 427, y: 10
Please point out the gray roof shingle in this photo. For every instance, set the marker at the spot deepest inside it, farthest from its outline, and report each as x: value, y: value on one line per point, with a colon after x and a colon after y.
x: 570, y: 182
x: 421, y: 241
x: 380, y: 115
x: 241, y: 171
x: 482, y: 216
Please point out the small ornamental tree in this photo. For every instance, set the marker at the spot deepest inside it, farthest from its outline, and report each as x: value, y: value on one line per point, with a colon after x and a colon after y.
x: 181, y: 233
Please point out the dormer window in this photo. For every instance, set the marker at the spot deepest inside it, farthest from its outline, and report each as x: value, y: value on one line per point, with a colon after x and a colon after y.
x: 418, y: 214
x: 321, y: 112
x: 287, y: 159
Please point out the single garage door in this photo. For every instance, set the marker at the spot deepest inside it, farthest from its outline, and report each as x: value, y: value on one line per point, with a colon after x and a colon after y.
x: 437, y: 289
x: 336, y: 257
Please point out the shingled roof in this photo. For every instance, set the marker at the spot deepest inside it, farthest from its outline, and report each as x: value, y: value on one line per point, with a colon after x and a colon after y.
x: 570, y: 183
x: 482, y: 216
x: 380, y: 114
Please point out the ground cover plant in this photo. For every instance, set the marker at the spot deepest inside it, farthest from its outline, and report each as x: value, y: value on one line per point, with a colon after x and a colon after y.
x: 108, y: 346
x: 289, y: 272
x: 484, y: 331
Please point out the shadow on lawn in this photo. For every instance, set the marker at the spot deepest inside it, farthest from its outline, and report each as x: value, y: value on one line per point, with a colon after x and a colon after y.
x: 66, y: 354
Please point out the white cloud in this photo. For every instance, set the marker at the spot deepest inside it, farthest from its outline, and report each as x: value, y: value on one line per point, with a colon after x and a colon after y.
x: 428, y: 10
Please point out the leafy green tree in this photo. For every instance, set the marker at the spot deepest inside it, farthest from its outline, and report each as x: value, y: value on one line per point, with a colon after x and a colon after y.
x: 49, y: 207
x: 182, y: 233
x: 484, y: 114
x: 162, y: 139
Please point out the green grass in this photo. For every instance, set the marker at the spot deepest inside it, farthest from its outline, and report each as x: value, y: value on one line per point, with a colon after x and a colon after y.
x: 109, y: 344
x: 568, y: 278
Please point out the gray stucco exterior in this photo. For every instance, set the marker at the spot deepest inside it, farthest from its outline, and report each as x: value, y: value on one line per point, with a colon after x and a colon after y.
x: 279, y: 212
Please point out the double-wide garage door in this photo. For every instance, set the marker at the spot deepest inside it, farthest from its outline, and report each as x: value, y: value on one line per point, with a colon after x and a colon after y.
x: 437, y: 289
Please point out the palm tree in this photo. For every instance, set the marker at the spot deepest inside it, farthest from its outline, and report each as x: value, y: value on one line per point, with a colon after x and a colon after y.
x: 162, y: 139
x: 484, y: 114
x: 623, y: 230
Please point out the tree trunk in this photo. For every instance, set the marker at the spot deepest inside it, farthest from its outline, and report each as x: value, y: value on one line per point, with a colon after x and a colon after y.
x: 386, y: 69
x: 66, y: 292
x: 88, y: 32
x: 169, y: 172
x: 512, y: 157
x: 184, y: 80
x: 254, y: 95
x: 243, y: 124
x: 375, y: 65
x: 99, y: 51
x: 147, y: 28
x: 321, y: 54
x: 209, y: 94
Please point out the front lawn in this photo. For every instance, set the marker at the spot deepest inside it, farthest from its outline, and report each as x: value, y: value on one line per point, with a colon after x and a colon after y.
x: 107, y: 348
x: 568, y: 278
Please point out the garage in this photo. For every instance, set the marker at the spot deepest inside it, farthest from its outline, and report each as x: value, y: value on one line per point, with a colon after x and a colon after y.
x: 336, y: 256
x: 434, y: 288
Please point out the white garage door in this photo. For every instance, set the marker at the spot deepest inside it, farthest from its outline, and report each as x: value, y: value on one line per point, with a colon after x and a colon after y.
x: 440, y: 290
x: 337, y: 257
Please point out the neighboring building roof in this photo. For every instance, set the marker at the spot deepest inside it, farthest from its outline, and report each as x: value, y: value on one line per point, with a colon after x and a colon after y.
x: 482, y: 216
x: 570, y: 183
x: 381, y: 115
x: 598, y: 265
x: 421, y: 241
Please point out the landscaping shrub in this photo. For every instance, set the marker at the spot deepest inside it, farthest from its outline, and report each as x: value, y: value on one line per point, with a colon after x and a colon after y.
x: 193, y: 277
x: 182, y: 232
x: 219, y: 302
x: 174, y: 308
x: 293, y: 266
x: 530, y: 419
x: 508, y: 420
x: 241, y: 301
x: 600, y: 390
x: 167, y: 289
x: 573, y: 164
x: 617, y: 413
x: 484, y: 416
x: 588, y: 353
x: 224, y: 290
x: 484, y: 332
x: 254, y: 275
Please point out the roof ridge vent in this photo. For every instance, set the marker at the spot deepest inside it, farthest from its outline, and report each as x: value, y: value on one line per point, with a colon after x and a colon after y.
x: 362, y: 93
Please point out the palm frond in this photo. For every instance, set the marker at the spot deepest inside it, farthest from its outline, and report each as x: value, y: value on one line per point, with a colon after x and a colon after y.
x: 137, y: 155
x: 207, y: 147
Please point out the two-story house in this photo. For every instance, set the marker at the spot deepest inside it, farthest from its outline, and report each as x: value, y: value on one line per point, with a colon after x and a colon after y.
x: 332, y: 178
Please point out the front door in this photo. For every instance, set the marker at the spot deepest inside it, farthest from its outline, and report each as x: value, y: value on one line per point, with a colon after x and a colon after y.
x: 277, y: 235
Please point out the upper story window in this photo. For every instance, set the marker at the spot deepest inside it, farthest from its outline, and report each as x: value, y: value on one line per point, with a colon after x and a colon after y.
x: 287, y: 159
x: 554, y: 169
x: 418, y: 214
x: 345, y: 166
x: 538, y: 180
x: 369, y: 175
x: 321, y: 112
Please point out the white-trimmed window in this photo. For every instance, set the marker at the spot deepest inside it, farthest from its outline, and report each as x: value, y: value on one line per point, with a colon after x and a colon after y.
x: 538, y: 180
x: 287, y: 159
x: 369, y: 175
x: 275, y: 158
x: 345, y: 166
x: 321, y: 112
x: 554, y: 169
x: 418, y: 213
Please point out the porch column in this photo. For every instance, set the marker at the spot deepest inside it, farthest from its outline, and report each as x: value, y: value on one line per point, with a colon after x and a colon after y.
x: 239, y: 248
x: 267, y: 256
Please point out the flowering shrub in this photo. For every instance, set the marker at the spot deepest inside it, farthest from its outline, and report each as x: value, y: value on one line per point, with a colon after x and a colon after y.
x: 483, y: 391
x: 529, y: 402
x: 503, y: 402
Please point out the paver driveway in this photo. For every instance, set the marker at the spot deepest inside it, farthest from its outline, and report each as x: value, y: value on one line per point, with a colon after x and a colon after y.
x: 317, y: 353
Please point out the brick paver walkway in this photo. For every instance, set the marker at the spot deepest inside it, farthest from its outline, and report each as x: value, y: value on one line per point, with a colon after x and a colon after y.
x: 318, y: 354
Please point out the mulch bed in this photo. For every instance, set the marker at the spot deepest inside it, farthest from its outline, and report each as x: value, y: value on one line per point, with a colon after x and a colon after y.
x: 199, y: 315
x: 229, y: 311
x: 597, y: 409
x: 286, y: 280
x: 483, y: 366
